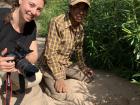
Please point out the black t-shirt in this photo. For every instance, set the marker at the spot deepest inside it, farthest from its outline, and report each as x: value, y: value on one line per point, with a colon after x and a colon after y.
x: 9, y: 37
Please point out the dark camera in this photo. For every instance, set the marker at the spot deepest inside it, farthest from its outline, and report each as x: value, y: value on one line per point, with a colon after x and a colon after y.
x: 21, y: 63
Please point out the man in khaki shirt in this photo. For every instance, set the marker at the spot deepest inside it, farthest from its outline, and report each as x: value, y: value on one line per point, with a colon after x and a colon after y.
x: 63, y: 54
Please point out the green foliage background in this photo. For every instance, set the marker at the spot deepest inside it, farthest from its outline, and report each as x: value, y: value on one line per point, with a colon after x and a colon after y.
x: 112, y: 33
x: 52, y: 9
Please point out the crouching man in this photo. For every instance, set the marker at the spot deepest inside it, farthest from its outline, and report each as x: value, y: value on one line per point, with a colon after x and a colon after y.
x: 62, y: 59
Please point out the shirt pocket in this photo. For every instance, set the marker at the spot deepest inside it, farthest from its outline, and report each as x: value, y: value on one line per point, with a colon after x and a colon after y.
x: 65, y: 47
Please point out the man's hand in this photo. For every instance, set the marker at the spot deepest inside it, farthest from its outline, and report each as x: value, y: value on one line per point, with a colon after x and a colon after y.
x: 89, y: 73
x: 60, y: 86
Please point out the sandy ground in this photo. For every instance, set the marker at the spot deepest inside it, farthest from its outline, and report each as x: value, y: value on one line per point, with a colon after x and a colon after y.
x: 107, y: 88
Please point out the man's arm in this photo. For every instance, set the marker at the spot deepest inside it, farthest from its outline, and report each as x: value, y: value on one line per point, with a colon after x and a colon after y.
x: 51, y: 51
x: 79, y: 49
x: 81, y: 62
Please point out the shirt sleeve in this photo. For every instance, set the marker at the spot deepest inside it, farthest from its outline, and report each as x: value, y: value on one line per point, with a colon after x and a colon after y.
x: 51, y: 52
x: 80, y: 56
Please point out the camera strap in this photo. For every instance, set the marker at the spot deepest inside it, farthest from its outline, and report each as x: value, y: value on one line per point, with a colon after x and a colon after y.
x: 21, y: 83
x: 8, y: 88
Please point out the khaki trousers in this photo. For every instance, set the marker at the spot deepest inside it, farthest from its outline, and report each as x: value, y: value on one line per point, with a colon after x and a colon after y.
x: 78, y: 93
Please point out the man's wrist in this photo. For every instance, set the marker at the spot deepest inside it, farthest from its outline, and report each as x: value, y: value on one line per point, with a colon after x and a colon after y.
x: 59, y: 77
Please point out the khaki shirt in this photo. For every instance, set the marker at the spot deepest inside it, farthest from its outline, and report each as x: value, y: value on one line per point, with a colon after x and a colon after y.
x: 62, y: 41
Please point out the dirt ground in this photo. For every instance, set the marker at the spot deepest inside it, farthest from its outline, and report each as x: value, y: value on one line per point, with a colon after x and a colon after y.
x: 107, y: 88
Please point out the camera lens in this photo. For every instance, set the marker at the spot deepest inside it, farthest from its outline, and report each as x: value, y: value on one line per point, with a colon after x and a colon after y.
x: 26, y: 67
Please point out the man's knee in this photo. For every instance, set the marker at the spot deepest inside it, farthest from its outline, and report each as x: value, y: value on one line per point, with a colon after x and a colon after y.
x: 74, y: 72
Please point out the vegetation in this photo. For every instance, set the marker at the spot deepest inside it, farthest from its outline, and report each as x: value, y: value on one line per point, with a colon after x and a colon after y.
x: 52, y: 9
x: 112, y: 33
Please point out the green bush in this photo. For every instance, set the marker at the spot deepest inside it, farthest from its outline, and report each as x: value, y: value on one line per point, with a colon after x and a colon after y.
x: 108, y: 44
x: 52, y: 9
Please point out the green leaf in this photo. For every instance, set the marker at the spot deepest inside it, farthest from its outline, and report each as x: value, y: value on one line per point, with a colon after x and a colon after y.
x: 136, y: 75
